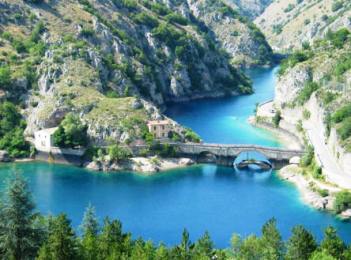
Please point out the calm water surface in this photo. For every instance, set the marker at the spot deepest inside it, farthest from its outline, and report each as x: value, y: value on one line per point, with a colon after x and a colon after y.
x: 200, y: 198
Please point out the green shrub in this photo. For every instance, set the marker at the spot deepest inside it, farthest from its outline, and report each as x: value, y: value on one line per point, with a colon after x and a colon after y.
x: 339, y: 37
x: 342, y: 113
x: 342, y: 201
x: 191, y: 136
x: 344, y: 131
x: 305, y: 93
x: 118, y: 153
x: 145, y: 19
x: 277, y: 118
x: 176, y: 18
x: 71, y: 133
x: 292, y: 60
x: 337, y: 5
x: 308, y: 157
x: 5, y: 77
x: 11, y: 131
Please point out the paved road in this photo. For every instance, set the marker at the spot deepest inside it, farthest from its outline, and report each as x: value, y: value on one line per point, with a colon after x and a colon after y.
x: 330, y: 166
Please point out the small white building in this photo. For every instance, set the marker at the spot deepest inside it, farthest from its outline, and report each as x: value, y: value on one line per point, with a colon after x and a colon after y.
x: 43, y: 139
x: 160, y: 128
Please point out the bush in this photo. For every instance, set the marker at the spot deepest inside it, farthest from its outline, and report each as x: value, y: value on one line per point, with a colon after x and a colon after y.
x: 339, y: 37
x: 342, y: 201
x: 145, y: 19
x: 5, y: 77
x: 342, y: 114
x: 337, y: 6
x: 118, y: 153
x: 344, y: 130
x: 277, y: 118
x: 71, y: 133
x: 306, y: 92
x: 176, y: 18
x: 308, y: 157
x: 11, y: 131
x: 292, y: 60
x: 191, y: 136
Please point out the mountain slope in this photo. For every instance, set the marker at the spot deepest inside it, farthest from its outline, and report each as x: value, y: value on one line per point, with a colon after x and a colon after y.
x: 111, y: 62
x: 288, y: 24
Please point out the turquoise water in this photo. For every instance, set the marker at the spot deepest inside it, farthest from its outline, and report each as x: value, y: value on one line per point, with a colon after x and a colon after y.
x: 199, y: 198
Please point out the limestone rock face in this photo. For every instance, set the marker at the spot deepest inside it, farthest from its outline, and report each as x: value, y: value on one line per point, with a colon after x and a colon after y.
x: 289, y: 85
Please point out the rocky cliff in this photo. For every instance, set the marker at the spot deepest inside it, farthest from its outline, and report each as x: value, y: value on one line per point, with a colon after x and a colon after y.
x: 313, y: 92
x: 290, y: 23
x: 114, y: 62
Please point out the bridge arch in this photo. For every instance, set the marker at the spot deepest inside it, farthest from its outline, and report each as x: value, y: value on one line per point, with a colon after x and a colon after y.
x: 206, y: 157
x: 252, y: 159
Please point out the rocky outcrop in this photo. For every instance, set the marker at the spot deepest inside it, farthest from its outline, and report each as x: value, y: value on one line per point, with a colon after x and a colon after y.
x: 146, y: 165
x: 4, y: 156
x: 290, y: 23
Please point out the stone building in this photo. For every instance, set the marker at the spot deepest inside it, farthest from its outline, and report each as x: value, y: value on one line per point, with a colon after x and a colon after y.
x: 160, y: 128
x: 43, y: 139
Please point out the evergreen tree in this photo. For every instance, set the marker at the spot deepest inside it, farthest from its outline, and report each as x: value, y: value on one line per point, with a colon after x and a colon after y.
x: 20, y: 237
x: 301, y: 244
x: 183, y: 250
x: 332, y: 244
x: 162, y: 253
x: 112, y: 242
x: 61, y: 243
x: 90, y: 229
x: 322, y: 255
x: 271, y: 240
x: 204, y: 247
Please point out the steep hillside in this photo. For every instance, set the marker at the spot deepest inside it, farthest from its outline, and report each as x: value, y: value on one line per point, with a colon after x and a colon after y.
x: 288, y: 24
x: 313, y: 92
x: 249, y: 8
x: 222, y: 24
x: 112, y: 61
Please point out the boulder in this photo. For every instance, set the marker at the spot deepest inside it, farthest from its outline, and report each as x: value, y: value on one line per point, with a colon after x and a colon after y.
x: 4, y: 156
x: 346, y: 214
x: 186, y: 162
x: 295, y: 160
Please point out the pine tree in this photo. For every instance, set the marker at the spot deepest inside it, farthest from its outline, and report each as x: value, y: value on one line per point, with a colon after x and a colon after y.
x: 332, y: 244
x: 90, y: 229
x: 112, y: 242
x: 271, y: 240
x: 204, y: 247
x: 61, y: 243
x: 300, y: 245
x: 20, y: 237
x: 183, y: 250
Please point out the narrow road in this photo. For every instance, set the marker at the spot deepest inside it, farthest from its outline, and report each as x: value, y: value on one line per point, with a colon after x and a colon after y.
x: 331, y: 168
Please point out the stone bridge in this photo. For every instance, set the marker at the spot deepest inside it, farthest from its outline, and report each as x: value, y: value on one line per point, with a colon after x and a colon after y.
x: 225, y: 154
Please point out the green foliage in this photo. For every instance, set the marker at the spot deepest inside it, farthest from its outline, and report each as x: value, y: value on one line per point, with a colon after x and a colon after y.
x: 306, y: 92
x: 332, y: 243
x: 26, y: 235
x: 342, y: 113
x: 145, y: 19
x: 5, y: 77
x: 176, y: 18
x: 342, y: 201
x: 118, y: 153
x: 11, y: 131
x: 301, y: 244
x: 164, y: 150
x: 292, y: 60
x: 308, y: 157
x: 339, y: 37
x: 277, y: 118
x: 337, y: 5
x: 71, y: 133
x: 20, y: 236
x: 61, y: 242
x: 191, y: 136
x: 344, y: 131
